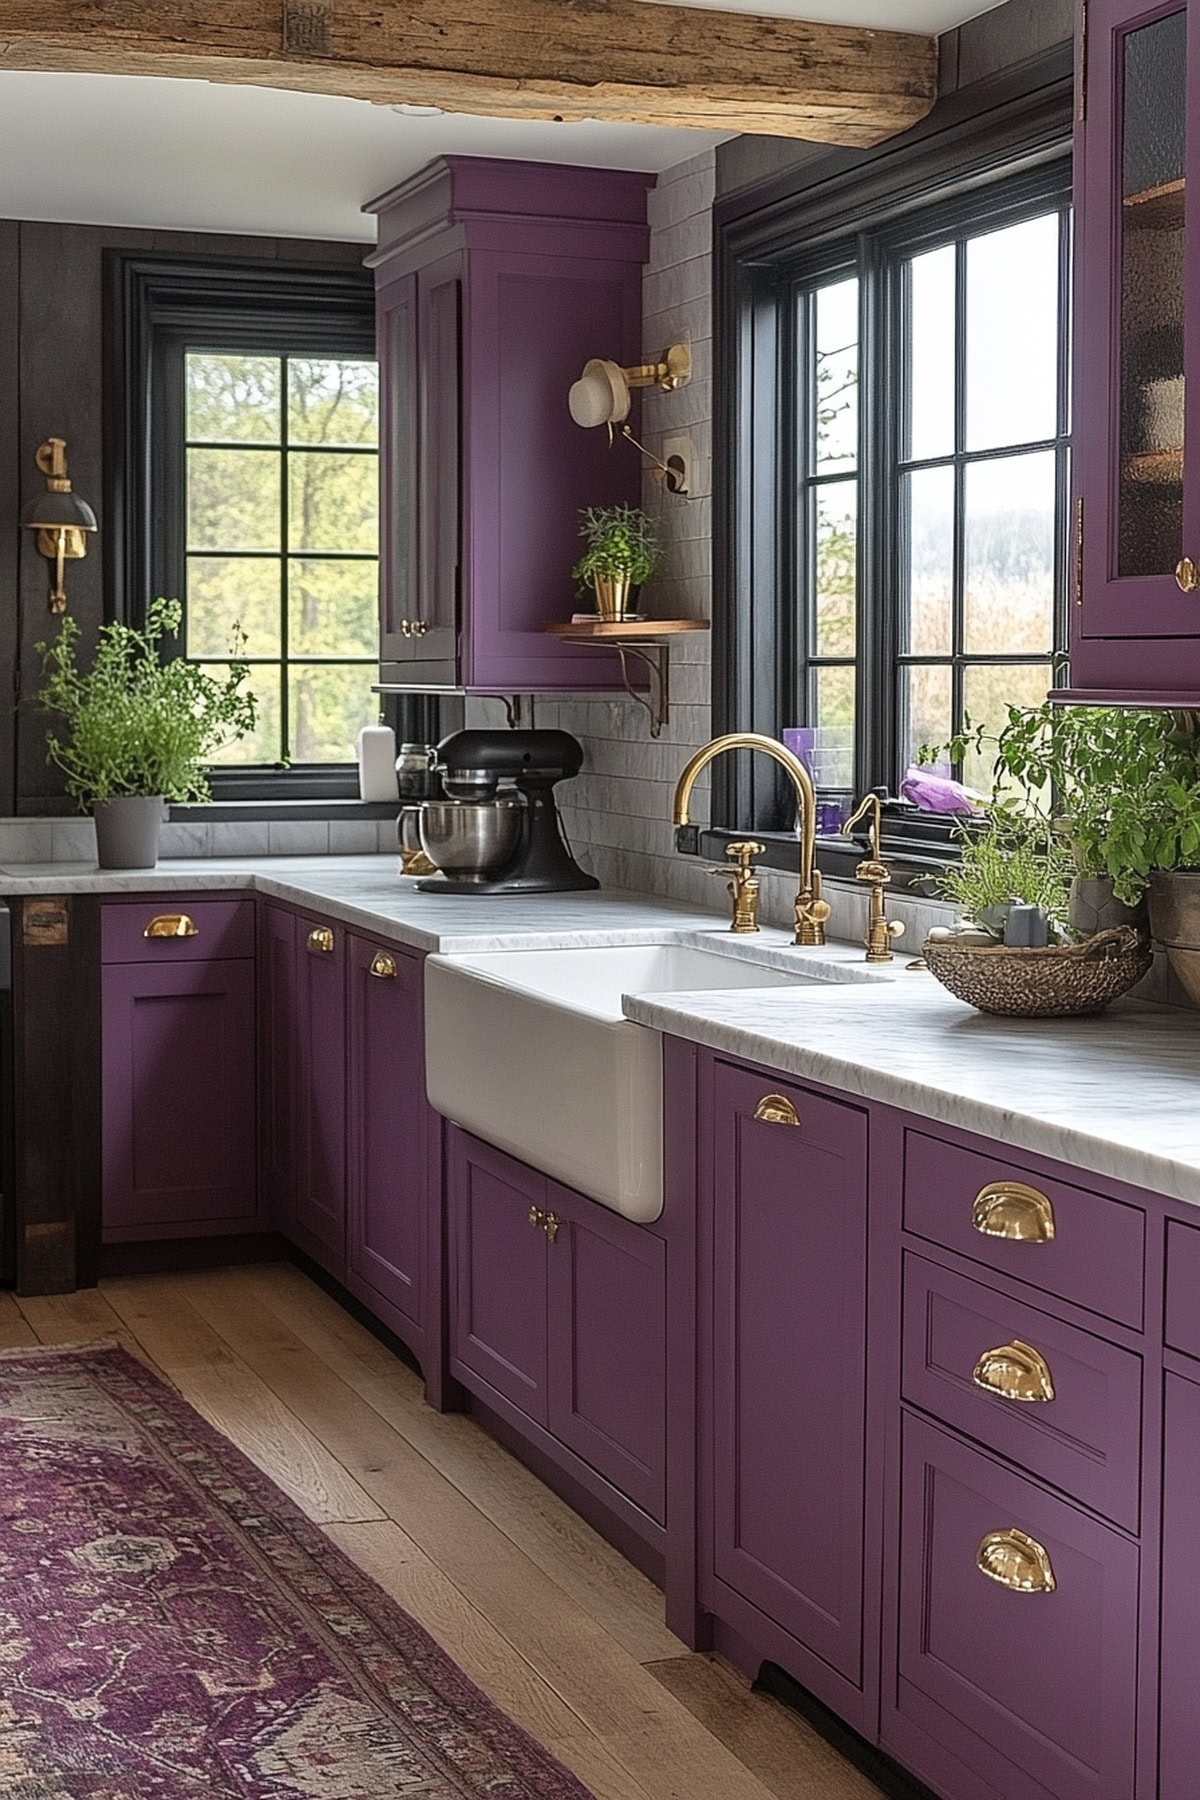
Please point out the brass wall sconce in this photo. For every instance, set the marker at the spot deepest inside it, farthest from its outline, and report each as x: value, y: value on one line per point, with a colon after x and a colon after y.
x: 60, y: 518
x: 601, y: 396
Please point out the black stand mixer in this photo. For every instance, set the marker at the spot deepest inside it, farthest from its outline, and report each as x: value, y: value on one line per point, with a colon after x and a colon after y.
x: 498, y: 830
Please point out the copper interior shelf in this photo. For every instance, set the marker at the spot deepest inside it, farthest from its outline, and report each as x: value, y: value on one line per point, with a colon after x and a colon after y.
x: 649, y: 640
x: 1157, y: 208
x: 1160, y: 466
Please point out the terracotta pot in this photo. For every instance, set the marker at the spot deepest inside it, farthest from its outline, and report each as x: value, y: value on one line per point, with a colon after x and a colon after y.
x: 1175, y: 923
x: 127, y: 831
x: 1092, y: 907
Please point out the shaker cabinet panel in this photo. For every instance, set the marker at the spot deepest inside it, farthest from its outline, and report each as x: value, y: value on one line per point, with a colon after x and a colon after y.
x: 785, y: 1361
x: 278, y: 1039
x: 179, y: 1099
x: 318, y: 1211
x: 1179, y: 1721
x: 399, y: 438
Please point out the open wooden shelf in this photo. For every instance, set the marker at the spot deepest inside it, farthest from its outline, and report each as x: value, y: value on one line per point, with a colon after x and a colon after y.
x: 1153, y: 466
x: 649, y: 640
x: 1157, y: 208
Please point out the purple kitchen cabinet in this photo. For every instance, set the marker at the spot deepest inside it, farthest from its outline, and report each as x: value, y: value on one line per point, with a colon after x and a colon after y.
x: 1179, y: 1723
x: 179, y: 1099
x: 318, y: 1210
x: 1032, y: 1688
x: 495, y: 1218
x: 387, y: 1136
x: 1135, y: 625
x: 522, y: 272
x: 783, y: 1375
x: 607, y: 1346
x: 558, y: 1311
x: 278, y: 1036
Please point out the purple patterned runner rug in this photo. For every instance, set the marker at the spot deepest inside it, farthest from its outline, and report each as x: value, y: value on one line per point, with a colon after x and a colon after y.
x: 172, y: 1627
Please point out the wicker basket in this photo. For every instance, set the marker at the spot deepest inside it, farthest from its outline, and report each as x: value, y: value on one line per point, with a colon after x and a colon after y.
x: 1050, y: 983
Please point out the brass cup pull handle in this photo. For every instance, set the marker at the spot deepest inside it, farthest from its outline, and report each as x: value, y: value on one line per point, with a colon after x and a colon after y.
x: 1016, y: 1561
x: 320, y: 941
x: 383, y: 966
x: 1010, y: 1209
x: 171, y: 925
x: 775, y: 1109
x: 1014, y: 1371
x: 550, y: 1225
x: 1187, y: 575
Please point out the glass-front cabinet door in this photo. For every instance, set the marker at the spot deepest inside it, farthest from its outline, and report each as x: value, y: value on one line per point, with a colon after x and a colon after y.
x: 1137, y: 407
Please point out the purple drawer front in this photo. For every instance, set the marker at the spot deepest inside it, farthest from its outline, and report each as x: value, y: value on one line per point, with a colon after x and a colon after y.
x: 1085, y: 1440
x: 1183, y: 1288
x: 1095, y: 1257
x: 223, y: 928
x: 1036, y: 1690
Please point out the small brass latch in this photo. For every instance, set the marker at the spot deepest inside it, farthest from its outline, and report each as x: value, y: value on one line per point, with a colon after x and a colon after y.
x: 743, y: 887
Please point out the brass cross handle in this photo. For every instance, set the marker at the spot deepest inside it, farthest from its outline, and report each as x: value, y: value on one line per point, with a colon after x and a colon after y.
x: 743, y: 886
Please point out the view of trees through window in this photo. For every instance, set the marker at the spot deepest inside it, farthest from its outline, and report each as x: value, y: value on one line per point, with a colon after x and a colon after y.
x: 282, y: 542
x: 971, y: 473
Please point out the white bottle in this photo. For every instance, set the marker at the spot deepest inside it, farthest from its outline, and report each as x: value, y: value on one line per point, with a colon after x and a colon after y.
x: 375, y: 748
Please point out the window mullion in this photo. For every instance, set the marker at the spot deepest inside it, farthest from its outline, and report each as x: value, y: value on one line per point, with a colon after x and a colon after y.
x: 958, y: 567
x: 285, y: 527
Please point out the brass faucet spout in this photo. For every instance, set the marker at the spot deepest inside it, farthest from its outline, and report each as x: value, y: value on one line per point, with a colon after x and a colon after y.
x: 811, y: 910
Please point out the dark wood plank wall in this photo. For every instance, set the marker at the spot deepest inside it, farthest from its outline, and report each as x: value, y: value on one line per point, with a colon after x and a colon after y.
x: 51, y: 384
x: 985, y: 47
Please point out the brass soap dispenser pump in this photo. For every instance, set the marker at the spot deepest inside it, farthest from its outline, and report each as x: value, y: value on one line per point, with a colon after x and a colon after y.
x: 874, y: 871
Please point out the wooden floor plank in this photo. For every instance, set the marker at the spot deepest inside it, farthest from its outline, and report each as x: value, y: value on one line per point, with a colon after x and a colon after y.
x: 234, y: 1400
x: 84, y: 1317
x: 16, y: 1333
x: 543, y: 1526
x: 389, y: 1555
x: 648, y: 1732
x: 787, y: 1755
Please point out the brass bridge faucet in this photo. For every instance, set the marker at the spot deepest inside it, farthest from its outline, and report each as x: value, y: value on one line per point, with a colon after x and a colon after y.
x: 875, y: 872
x: 811, y: 911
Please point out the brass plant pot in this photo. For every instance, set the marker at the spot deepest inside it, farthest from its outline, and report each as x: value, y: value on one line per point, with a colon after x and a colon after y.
x: 614, y: 594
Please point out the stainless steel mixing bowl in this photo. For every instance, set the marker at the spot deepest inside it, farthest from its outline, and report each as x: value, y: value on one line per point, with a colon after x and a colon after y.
x: 471, y: 840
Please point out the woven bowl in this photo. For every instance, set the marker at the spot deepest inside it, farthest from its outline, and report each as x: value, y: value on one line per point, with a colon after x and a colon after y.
x: 1056, y: 982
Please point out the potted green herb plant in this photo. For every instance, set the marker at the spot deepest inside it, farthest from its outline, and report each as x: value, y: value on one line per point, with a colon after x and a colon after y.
x: 623, y: 549
x: 1006, y: 859
x: 137, y: 729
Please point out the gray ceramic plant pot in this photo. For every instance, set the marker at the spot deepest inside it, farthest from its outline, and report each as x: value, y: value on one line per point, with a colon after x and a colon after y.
x: 1092, y: 907
x: 1175, y: 922
x: 127, y: 831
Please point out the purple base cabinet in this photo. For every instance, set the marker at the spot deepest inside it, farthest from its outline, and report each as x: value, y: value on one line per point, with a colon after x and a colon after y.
x: 318, y: 1201
x: 558, y: 1326
x: 1179, y: 1724
x: 178, y: 1072
x: 278, y: 1035
x: 782, y: 1334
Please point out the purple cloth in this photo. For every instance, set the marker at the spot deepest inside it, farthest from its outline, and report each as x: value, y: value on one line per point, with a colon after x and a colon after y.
x: 936, y: 793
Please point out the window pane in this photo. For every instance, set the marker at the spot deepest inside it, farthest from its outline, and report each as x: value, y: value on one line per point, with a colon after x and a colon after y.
x: 988, y: 692
x: 333, y: 608
x: 835, y: 584
x: 233, y: 500
x: 927, y: 516
x: 1009, y: 577
x: 227, y: 592
x: 1012, y: 334
x: 833, y: 716
x: 931, y: 353
x: 837, y: 376
x: 328, y: 706
x: 264, y: 744
x: 333, y: 401
x: 232, y: 399
x: 333, y: 501
x: 925, y: 702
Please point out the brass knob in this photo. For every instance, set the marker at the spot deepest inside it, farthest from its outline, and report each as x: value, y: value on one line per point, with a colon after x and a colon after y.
x: 550, y: 1225
x: 537, y: 1218
x: 1016, y: 1561
x: 320, y: 940
x: 1187, y: 575
x: 1010, y: 1209
x: 383, y: 966
x: 171, y: 925
x: 774, y: 1109
x: 419, y: 627
x: 1014, y: 1371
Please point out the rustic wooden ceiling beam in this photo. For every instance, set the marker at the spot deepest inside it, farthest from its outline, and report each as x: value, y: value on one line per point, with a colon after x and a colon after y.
x: 624, y: 60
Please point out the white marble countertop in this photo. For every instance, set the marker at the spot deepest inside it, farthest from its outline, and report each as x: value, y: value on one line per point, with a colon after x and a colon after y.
x: 1117, y: 1095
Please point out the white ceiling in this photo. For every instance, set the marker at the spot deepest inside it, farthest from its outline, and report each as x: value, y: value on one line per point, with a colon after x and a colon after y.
x: 204, y: 156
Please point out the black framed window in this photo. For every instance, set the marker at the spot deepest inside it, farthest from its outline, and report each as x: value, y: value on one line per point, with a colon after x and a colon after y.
x: 243, y: 407
x: 892, y: 538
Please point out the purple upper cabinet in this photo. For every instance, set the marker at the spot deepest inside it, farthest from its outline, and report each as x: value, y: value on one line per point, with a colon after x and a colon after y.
x: 1135, y: 620
x: 783, y: 1336
x: 523, y: 271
